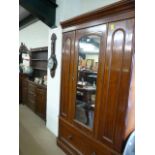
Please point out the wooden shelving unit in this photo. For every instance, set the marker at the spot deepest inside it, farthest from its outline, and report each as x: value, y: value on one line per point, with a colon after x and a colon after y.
x: 35, y: 94
x: 38, y: 61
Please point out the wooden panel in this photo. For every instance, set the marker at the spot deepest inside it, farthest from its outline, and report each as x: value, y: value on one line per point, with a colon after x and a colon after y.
x: 92, y: 149
x: 71, y: 138
x: 31, y: 97
x: 106, y: 11
x: 20, y: 88
x: 39, y: 55
x: 41, y: 102
x: 116, y: 83
x: 68, y: 149
x: 39, y: 64
x: 31, y: 87
x: 66, y: 74
x: 31, y: 100
x: 24, y: 95
x: 24, y: 90
x: 130, y: 118
x: 36, y: 98
x: 24, y: 82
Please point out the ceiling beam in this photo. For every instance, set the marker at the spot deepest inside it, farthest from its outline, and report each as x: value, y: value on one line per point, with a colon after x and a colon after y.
x: 27, y: 21
x: 45, y: 10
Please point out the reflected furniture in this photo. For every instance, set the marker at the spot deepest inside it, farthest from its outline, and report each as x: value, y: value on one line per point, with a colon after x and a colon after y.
x: 97, y: 81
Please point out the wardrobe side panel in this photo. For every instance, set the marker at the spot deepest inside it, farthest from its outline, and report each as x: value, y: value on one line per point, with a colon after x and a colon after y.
x: 67, y: 51
x: 116, y: 81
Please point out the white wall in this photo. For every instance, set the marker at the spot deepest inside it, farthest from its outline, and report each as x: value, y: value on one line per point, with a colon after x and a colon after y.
x: 70, y: 8
x: 53, y: 85
x: 34, y: 35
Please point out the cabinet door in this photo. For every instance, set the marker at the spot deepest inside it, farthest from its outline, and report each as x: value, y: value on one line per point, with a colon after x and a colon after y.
x: 20, y: 88
x: 24, y: 95
x: 31, y: 97
x: 115, y: 85
x: 66, y: 73
x: 88, y: 62
x: 24, y: 90
x: 41, y: 102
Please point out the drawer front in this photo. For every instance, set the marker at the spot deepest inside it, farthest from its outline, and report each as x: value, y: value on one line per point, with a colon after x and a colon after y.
x: 31, y: 87
x: 24, y: 83
x: 71, y: 138
x: 41, y: 102
x: 31, y: 92
x: 31, y: 97
x: 83, y: 144
x: 31, y: 105
x: 95, y: 150
x: 31, y: 101
x: 24, y: 95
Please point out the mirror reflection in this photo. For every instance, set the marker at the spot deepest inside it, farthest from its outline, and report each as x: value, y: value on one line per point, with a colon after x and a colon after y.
x: 86, y: 81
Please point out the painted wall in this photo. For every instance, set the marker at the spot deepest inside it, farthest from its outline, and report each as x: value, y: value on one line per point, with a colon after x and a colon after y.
x: 35, y: 35
x: 70, y: 8
x: 53, y: 86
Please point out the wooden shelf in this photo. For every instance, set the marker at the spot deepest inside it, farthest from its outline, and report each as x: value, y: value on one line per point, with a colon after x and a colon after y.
x: 39, y: 85
x: 40, y: 49
x: 44, y: 69
x: 39, y: 59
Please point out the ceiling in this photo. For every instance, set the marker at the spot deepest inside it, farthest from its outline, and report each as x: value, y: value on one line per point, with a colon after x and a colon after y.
x: 23, y: 13
x: 31, y: 11
x: 25, y: 18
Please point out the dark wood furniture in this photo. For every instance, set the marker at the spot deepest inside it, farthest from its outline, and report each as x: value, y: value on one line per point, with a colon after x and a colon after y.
x: 34, y: 94
x: 36, y: 99
x: 23, y: 88
x: 39, y: 60
x: 107, y: 37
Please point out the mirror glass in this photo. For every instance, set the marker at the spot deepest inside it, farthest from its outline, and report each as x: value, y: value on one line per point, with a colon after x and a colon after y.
x: 88, y: 57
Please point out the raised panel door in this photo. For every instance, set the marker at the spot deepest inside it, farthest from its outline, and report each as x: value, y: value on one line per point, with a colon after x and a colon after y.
x: 66, y: 73
x: 24, y: 95
x: 115, y: 85
x: 24, y: 90
x: 31, y: 96
x: 41, y: 102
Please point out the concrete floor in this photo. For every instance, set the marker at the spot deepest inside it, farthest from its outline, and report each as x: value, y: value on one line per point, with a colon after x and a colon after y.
x: 34, y: 137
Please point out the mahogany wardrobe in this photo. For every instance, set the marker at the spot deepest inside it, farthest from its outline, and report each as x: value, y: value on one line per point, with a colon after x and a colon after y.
x: 97, y: 81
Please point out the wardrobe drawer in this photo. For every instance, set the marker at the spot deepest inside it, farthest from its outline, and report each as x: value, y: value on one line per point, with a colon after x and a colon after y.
x: 80, y: 142
x: 94, y: 150
x: 71, y: 138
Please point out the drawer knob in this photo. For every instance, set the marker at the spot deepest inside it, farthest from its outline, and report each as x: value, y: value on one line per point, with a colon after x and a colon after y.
x: 70, y: 137
x: 93, y: 153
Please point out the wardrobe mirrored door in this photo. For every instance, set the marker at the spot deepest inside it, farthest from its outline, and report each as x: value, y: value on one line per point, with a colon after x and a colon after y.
x: 88, y: 58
